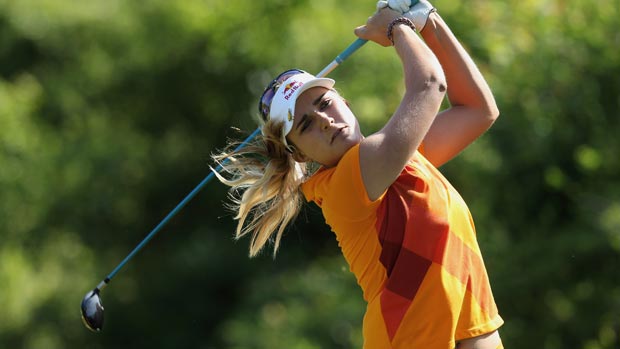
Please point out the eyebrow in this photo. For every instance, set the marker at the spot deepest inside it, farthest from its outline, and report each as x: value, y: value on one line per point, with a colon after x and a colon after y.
x: 315, y: 102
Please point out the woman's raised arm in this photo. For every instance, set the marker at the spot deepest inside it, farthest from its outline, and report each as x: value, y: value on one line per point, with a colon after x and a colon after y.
x: 472, y: 106
x: 384, y: 154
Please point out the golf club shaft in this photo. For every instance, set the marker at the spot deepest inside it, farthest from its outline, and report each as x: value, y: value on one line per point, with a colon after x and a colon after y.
x: 339, y: 59
x: 174, y: 211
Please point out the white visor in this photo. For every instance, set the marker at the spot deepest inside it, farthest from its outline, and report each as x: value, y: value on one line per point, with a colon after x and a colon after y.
x: 283, y: 103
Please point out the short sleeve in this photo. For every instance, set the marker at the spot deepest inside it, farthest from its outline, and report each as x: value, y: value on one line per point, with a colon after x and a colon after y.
x: 340, y: 191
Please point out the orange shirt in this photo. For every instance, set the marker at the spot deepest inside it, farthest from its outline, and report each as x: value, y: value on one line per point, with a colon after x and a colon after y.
x: 414, y: 254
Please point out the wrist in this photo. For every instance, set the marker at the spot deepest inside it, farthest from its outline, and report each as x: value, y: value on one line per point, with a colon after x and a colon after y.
x: 400, y: 23
x: 431, y: 22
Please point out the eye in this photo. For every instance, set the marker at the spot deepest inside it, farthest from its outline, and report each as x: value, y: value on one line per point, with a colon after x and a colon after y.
x: 325, y: 103
x: 306, y: 123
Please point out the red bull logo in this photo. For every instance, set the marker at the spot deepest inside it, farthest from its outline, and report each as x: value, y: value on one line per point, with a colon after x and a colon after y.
x: 290, y: 88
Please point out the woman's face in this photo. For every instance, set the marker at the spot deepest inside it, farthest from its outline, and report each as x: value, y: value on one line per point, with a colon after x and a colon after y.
x: 324, y: 127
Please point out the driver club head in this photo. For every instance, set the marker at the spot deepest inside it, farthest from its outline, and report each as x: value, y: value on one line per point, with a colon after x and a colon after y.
x: 92, y: 311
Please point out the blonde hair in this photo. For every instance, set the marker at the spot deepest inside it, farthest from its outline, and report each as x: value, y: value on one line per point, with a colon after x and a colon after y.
x: 264, y: 182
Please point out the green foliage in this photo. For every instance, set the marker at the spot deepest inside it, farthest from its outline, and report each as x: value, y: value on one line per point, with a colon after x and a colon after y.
x: 314, y: 308
x: 109, y: 110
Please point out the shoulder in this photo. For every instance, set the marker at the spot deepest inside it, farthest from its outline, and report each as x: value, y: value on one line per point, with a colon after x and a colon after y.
x: 327, y: 179
x: 340, y: 188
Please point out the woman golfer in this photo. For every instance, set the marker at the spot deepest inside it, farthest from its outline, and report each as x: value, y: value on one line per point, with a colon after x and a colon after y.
x: 405, y: 232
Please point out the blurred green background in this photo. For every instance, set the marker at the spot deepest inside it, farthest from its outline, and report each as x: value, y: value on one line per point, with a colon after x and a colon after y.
x: 109, y: 110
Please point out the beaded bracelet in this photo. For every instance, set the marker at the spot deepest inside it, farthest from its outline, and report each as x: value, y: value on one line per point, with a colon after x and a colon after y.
x: 399, y: 20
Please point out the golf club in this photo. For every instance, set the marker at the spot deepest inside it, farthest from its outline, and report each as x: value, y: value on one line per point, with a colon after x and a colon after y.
x: 92, y: 308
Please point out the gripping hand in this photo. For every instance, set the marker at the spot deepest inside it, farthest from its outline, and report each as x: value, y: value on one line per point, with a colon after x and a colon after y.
x: 418, y: 13
x: 401, y: 6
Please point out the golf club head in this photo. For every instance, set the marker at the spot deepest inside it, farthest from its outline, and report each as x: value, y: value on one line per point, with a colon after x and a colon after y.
x: 92, y: 311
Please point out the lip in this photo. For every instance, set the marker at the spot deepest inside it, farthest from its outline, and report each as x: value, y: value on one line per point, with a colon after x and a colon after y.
x: 337, y: 133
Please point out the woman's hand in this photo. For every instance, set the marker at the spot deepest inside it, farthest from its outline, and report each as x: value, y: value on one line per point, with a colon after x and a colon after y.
x: 401, y: 6
x: 418, y: 13
x: 376, y: 26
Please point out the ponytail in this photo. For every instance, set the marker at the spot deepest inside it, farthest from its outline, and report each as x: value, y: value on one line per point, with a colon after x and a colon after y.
x: 264, y: 182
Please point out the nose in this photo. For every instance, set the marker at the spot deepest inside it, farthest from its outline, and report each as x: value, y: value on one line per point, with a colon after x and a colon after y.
x: 325, y: 120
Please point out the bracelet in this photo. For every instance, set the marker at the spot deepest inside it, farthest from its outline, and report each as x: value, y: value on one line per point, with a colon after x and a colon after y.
x: 399, y: 20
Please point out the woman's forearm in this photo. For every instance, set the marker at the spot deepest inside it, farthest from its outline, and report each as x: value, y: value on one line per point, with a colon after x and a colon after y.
x: 466, y: 85
x: 422, y: 70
